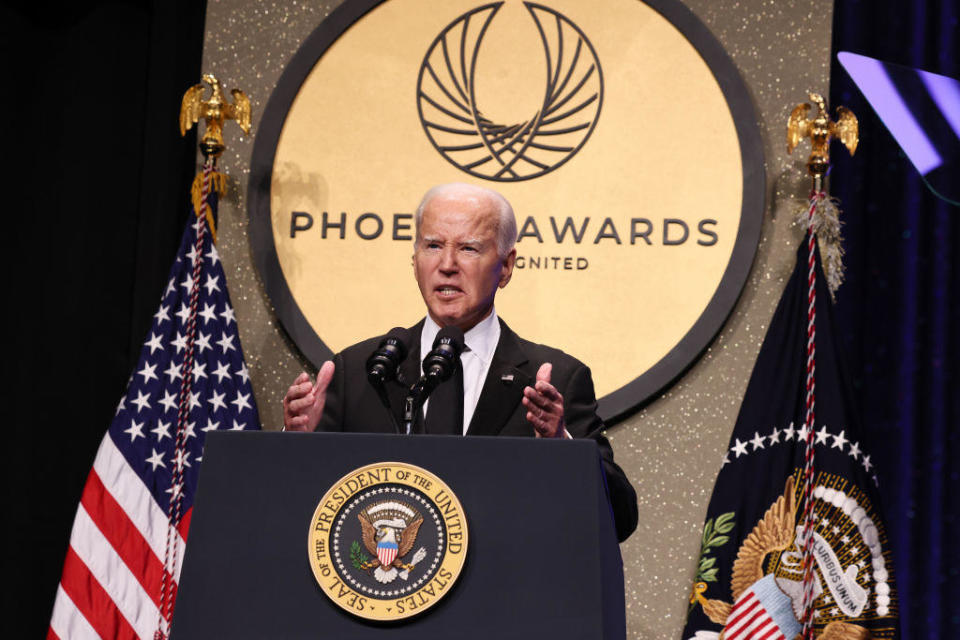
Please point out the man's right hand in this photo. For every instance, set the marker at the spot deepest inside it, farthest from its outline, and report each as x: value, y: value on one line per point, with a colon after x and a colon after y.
x: 303, y: 404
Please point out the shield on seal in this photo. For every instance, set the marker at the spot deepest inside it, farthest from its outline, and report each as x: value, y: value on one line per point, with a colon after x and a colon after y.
x: 762, y: 611
x: 386, y: 552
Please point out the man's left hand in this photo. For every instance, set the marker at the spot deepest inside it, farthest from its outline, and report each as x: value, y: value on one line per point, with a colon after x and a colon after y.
x: 545, y: 405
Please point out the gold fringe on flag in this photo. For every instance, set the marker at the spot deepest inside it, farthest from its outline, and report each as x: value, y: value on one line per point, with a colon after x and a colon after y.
x: 218, y: 183
x: 827, y: 227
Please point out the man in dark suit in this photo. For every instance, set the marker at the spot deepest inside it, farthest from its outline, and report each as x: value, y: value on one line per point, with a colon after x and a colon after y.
x: 463, y: 253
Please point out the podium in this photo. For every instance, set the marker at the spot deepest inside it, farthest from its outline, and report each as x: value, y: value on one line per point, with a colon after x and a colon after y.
x: 542, y: 558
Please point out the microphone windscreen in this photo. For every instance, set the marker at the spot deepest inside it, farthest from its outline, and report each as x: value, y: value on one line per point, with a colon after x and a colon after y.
x: 450, y: 335
x: 401, y: 337
x: 382, y: 365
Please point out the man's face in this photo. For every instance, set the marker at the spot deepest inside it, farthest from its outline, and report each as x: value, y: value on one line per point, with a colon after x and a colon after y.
x: 456, y: 261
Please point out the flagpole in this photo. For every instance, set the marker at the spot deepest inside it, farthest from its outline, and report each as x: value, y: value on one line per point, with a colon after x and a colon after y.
x: 822, y: 214
x: 793, y: 546
x: 214, y: 111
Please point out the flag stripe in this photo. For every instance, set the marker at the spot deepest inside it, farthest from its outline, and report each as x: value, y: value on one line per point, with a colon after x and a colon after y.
x: 757, y: 619
x: 773, y: 634
x: 742, y: 609
x: 759, y: 625
x: 128, y: 490
x: 184, y: 525
x: 743, y: 622
x: 123, y: 536
x: 92, y: 601
x: 763, y: 627
x: 67, y: 622
x: 113, y: 575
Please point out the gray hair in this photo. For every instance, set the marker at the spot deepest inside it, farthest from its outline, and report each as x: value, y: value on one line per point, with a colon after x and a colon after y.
x: 506, y: 221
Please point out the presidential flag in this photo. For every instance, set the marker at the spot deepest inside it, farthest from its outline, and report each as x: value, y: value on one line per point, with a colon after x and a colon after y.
x: 126, y: 548
x: 749, y: 581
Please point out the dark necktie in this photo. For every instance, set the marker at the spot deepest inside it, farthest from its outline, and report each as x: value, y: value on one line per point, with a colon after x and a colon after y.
x: 445, y: 410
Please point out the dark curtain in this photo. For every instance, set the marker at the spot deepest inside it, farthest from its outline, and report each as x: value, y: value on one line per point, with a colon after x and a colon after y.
x: 900, y: 311
x: 97, y: 192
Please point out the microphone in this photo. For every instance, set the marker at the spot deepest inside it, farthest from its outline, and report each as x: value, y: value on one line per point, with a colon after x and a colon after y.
x: 439, y: 366
x: 382, y: 365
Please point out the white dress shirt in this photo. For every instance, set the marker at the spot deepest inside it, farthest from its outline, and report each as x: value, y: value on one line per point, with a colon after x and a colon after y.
x: 481, y: 343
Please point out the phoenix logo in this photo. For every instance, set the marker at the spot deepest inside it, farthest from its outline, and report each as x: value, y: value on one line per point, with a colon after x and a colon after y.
x: 523, y: 148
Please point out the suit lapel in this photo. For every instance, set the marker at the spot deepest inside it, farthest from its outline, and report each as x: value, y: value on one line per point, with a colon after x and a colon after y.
x: 503, y: 387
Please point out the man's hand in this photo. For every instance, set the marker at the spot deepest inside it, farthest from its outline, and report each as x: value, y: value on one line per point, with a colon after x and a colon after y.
x: 304, y: 402
x: 545, y: 405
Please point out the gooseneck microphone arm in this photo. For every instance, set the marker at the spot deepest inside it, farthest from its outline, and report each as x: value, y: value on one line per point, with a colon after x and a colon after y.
x: 438, y: 366
x: 383, y: 364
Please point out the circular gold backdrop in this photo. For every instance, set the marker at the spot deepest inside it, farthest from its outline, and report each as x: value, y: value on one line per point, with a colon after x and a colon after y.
x: 638, y: 188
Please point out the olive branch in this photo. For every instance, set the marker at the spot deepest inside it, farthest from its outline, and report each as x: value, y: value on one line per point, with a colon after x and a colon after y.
x: 714, y: 535
x: 357, y: 556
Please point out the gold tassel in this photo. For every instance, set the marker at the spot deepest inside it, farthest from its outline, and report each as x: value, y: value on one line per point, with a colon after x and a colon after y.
x: 218, y: 183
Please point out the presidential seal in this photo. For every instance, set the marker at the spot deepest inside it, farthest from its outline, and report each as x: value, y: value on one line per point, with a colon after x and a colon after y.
x: 387, y: 541
x: 851, y: 582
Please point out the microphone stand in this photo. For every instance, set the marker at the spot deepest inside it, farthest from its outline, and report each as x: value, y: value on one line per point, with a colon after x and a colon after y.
x: 417, y: 395
x: 439, y: 365
x: 409, y: 410
x: 385, y: 400
x: 411, y: 405
x: 383, y: 365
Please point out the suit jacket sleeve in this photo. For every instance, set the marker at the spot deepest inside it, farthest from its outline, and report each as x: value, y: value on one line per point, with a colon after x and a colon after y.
x: 582, y: 421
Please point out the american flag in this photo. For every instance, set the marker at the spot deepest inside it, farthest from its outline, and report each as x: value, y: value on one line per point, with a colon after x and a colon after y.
x: 119, y: 561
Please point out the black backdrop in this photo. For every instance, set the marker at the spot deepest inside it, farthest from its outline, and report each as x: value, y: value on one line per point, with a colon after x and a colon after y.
x: 97, y: 199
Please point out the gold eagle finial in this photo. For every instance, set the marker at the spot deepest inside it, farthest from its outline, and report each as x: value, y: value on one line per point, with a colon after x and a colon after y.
x: 214, y: 110
x: 821, y: 130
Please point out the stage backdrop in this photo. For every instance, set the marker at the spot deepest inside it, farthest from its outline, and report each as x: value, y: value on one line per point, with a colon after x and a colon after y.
x: 334, y: 147
x: 632, y: 249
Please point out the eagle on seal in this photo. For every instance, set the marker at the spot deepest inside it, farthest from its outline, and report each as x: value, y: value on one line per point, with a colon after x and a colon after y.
x: 389, y: 531
x: 774, y: 533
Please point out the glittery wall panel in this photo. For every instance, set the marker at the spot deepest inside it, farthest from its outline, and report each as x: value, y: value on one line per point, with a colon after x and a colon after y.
x: 247, y: 45
x: 672, y: 448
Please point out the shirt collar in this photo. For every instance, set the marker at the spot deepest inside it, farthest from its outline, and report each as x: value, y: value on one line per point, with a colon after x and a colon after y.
x: 482, y: 339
